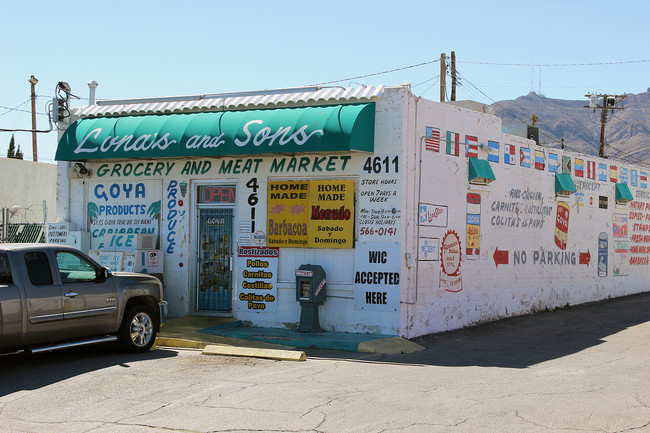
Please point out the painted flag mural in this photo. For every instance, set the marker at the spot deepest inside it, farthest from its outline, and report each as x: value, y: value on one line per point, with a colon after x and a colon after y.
x: 643, y: 179
x: 453, y: 145
x: 634, y: 178
x: 471, y: 146
x: 580, y: 167
x: 509, y: 152
x: 432, y: 139
x: 591, y: 169
x: 540, y: 161
x: 622, y: 178
x: 566, y: 164
x: 524, y: 157
x: 613, y: 173
x: 493, y: 148
x: 602, y: 172
x: 553, y: 162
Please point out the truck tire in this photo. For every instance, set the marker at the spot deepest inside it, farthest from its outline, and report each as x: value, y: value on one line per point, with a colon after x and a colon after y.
x: 138, y: 331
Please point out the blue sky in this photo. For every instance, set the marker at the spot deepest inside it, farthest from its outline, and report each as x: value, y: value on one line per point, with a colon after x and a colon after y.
x: 169, y: 48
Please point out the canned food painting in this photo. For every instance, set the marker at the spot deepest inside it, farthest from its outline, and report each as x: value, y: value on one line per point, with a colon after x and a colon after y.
x: 473, y: 223
x: 561, y: 224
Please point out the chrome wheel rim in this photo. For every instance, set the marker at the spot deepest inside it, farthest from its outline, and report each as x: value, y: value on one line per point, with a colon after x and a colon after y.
x: 141, y: 329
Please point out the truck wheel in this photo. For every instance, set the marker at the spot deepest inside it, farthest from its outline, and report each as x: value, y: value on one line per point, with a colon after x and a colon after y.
x: 138, y: 331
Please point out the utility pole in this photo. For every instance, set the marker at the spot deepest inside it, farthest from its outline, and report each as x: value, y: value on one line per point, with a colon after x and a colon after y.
x: 443, y: 76
x: 33, y: 82
x: 453, y: 75
x: 609, y: 103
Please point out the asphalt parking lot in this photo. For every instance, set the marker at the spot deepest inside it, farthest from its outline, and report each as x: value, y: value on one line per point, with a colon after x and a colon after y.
x: 582, y: 369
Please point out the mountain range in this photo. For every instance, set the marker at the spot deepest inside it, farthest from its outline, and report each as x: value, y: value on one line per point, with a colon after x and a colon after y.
x: 627, y: 131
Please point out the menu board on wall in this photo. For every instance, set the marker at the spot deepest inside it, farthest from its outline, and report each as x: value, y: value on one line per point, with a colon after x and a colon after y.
x: 311, y: 214
x: 257, y: 279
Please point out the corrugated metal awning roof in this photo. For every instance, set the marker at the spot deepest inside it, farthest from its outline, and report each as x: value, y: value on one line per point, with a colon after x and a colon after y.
x: 245, y: 100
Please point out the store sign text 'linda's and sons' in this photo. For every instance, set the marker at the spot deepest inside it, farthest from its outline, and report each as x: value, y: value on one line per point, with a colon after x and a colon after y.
x: 287, y: 130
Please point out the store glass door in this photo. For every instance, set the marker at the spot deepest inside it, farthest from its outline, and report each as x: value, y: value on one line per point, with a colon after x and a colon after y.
x: 214, y: 291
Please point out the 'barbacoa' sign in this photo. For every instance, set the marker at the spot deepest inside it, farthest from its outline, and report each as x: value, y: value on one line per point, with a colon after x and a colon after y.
x: 285, y: 130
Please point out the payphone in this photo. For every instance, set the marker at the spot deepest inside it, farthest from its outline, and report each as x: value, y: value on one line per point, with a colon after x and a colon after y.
x: 310, y: 292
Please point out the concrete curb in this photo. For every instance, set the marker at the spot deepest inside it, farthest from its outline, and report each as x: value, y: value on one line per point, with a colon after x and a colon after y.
x: 389, y: 346
x: 179, y: 342
x: 283, y: 355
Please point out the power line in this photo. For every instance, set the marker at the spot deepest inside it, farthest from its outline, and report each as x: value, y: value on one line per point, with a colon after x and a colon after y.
x: 554, y: 64
x: 380, y: 73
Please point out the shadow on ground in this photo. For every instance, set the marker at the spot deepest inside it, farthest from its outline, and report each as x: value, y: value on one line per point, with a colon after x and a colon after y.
x: 523, y: 341
x: 20, y: 372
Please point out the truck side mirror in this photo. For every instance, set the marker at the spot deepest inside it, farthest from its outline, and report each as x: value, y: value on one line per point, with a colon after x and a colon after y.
x: 104, y: 273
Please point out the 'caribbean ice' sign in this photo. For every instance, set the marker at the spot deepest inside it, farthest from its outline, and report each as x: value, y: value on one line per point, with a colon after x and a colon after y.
x: 258, y: 278
x: 123, y: 207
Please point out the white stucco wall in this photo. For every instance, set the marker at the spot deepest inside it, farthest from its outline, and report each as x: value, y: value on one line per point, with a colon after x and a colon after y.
x: 520, y: 269
x: 26, y: 184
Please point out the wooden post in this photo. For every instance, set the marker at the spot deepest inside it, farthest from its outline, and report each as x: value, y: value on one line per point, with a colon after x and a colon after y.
x: 33, y: 82
x: 443, y: 76
x: 453, y: 75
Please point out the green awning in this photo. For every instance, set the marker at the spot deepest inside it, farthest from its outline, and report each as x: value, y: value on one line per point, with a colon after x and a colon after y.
x: 480, y: 172
x: 334, y: 128
x: 564, y: 184
x: 623, y: 194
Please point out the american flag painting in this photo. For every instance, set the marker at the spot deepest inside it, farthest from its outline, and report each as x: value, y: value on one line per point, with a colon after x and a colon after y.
x: 524, y: 157
x: 591, y: 169
x: 432, y: 139
x: 453, y: 145
x: 509, y: 152
x: 471, y: 146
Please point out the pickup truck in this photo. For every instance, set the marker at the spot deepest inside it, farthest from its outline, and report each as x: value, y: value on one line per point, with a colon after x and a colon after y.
x: 53, y: 296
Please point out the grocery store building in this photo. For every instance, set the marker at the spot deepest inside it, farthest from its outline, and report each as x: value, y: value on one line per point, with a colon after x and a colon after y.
x: 423, y: 216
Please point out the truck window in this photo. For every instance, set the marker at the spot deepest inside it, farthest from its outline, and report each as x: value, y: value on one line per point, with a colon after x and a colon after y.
x: 5, y: 270
x: 38, y: 268
x: 74, y: 268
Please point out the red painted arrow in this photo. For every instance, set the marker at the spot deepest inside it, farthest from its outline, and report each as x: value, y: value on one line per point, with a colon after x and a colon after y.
x: 500, y: 257
x: 585, y: 258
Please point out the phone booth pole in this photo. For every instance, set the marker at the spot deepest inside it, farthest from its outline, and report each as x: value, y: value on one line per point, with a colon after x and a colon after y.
x: 311, y: 293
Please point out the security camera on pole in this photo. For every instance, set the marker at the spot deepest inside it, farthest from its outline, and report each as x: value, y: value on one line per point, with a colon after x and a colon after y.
x: 608, y: 103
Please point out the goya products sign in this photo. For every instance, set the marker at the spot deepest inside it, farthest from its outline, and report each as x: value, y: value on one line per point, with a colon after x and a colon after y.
x: 311, y: 214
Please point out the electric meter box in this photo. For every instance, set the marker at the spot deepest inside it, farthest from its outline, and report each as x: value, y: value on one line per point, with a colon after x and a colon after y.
x: 310, y: 284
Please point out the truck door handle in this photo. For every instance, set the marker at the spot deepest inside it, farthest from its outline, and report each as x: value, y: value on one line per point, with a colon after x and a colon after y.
x: 71, y: 294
